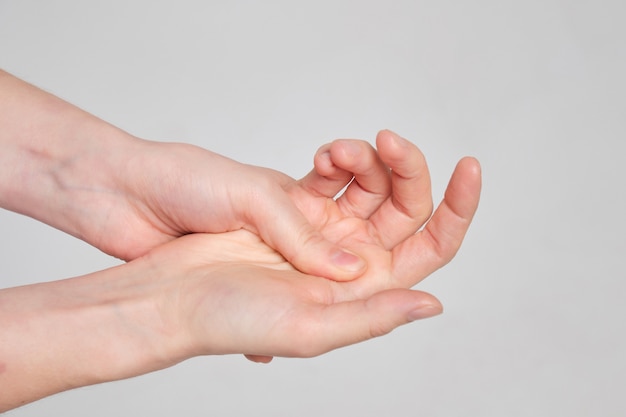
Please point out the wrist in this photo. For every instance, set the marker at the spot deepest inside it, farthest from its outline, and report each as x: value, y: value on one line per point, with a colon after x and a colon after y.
x: 66, y: 334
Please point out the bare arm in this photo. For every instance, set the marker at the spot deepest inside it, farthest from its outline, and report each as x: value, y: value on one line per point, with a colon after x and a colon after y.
x: 185, y: 298
x: 125, y: 195
x: 61, y: 335
x: 56, y: 158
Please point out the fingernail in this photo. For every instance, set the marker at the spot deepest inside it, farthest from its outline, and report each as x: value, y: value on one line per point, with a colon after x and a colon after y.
x: 325, y: 161
x: 352, y: 148
x: 347, y: 261
x: 400, y: 141
x: 424, y: 312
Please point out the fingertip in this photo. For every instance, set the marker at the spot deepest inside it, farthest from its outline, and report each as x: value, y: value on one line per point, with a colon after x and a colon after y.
x: 424, y: 312
x: 349, y: 264
x: 347, y: 151
x: 386, y: 133
x: 315, y: 255
x: 471, y: 165
x: 387, y: 138
x: 324, y: 148
x: 465, y: 186
x: 401, y: 155
x: 326, y: 178
x: 395, y: 307
x: 428, y: 306
x: 384, y: 137
x: 259, y: 358
x: 323, y: 164
x: 322, y: 161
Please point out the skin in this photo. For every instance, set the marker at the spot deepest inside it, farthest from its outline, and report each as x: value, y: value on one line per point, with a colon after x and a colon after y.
x: 125, y: 195
x: 180, y: 297
x: 186, y: 297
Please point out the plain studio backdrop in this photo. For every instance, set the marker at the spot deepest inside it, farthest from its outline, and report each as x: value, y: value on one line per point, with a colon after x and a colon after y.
x: 535, y: 311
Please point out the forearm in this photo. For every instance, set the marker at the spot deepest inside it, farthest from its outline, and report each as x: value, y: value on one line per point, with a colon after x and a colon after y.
x: 57, y: 160
x: 66, y: 334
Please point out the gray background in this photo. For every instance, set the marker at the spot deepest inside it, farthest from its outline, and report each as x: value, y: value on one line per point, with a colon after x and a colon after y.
x: 534, y: 321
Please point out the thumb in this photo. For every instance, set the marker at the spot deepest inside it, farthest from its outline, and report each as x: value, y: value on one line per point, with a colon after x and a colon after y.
x: 351, y: 322
x: 283, y: 227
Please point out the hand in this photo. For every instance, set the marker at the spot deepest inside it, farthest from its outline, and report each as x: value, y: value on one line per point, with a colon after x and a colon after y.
x: 170, y: 190
x: 239, y: 296
x: 388, y: 201
x: 125, y: 196
x: 231, y: 293
x: 164, y: 197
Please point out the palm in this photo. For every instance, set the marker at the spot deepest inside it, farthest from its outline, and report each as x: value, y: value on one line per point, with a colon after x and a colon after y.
x: 242, y: 297
x: 245, y: 285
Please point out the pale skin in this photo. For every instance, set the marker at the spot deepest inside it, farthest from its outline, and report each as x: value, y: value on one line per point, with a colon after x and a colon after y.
x: 125, y: 195
x: 228, y: 293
